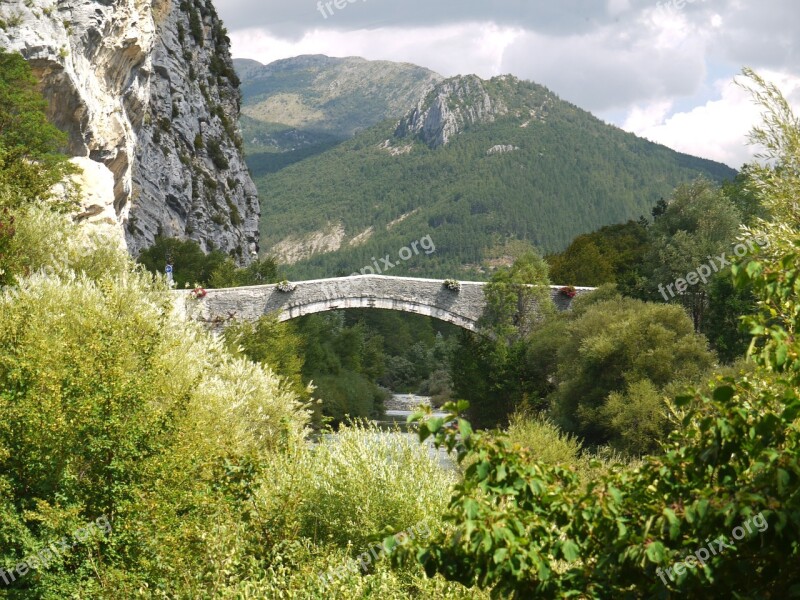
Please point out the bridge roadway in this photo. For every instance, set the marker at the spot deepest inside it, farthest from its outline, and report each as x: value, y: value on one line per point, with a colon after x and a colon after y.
x: 427, y: 297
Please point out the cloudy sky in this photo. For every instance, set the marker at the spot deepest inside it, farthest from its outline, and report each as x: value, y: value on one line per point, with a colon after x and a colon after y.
x: 662, y: 69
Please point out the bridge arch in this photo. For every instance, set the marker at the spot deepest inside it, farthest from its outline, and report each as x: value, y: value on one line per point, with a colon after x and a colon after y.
x: 407, y: 306
x: 430, y: 297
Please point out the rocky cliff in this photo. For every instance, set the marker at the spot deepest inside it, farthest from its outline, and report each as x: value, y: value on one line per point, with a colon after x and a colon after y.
x: 147, y: 93
x: 448, y: 109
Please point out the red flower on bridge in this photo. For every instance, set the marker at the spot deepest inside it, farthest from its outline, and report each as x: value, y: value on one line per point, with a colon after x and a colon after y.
x: 569, y: 291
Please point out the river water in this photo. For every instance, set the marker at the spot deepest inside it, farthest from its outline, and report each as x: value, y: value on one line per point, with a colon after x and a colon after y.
x: 398, y: 408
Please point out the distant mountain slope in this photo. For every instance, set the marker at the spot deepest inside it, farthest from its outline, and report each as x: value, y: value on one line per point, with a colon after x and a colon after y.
x: 297, y: 103
x: 477, y: 165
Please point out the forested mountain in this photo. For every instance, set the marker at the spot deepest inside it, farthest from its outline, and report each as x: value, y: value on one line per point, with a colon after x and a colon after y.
x: 476, y: 165
x: 300, y: 105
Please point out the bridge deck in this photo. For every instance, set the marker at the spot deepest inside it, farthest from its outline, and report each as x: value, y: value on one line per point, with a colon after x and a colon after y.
x: 407, y: 294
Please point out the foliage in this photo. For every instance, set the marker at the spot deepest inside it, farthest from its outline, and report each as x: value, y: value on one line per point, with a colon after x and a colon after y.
x: 699, y: 224
x: 452, y: 284
x: 7, y: 233
x: 636, y: 418
x: 525, y: 529
x: 722, y: 325
x: 196, y: 26
x: 190, y: 265
x: 489, y: 369
x: 30, y: 159
x: 694, y: 228
x: 613, y: 346
x: 361, y: 482
x: 740, y: 193
x: 517, y: 298
x: 261, y: 271
x: 612, y: 254
x: 46, y: 243
x: 277, y: 346
x: 548, y: 443
x: 217, y: 155
x: 341, y: 362
x: 116, y: 409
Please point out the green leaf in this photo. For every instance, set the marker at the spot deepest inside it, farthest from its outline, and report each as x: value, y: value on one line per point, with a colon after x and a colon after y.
x: 435, y: 424
x: 674, y: 522
x: 500, y: 555
x: 470, y: 508
x: 501, y: 472
x: 656, y: 552
x: 781, y: 354
x: 723, y: 394
x: 570, y: 550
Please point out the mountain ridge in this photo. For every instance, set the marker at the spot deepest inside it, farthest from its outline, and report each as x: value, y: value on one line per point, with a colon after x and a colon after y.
x: 294, y: 103
x: 480, y: 163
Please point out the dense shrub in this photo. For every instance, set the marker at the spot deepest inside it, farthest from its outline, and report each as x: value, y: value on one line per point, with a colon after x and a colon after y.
x: 116, y: 408
x: 190, y: 265
x: 610, y: 347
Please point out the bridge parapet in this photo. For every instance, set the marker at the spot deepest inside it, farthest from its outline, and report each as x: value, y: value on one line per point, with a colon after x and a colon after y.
x: 462, y: 307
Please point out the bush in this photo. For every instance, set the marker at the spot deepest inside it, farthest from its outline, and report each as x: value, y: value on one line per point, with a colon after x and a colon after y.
x: 615, y: 343
x: 363, y: 481
x: 637, y: 417
x: 116, y: 408
x: 217, y: 155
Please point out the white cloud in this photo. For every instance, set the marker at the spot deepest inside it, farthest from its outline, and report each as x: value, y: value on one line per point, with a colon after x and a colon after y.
x: 644, y: 118
x: 663, y: 71
x: 448, y: 50
x: 717, y: 129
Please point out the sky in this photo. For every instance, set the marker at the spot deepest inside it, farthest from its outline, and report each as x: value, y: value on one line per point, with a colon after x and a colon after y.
x: 665, y: 70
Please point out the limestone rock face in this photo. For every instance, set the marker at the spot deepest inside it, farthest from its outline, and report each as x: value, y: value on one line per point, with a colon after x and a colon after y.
x: 501, y: 149
x: 145, y: 89
x: 448, y: 109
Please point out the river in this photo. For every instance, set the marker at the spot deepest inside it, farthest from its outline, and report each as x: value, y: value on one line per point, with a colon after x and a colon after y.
x: 398, y: 408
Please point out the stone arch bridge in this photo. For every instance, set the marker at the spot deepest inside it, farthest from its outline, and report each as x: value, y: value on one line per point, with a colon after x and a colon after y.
x: 427, y: 297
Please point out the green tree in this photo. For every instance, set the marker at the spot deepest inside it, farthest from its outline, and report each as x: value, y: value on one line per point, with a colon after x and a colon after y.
x: 31, y: 161
x: 582, y: 263
x: 489, y: 369
x: 341, y: 361
x: 722, y: 324
x: 741, y: 194
x: 190, y: 265
x: 612, y: 345
x: 612, y: 254
x: 278, y: 346
x: 517, y: 298
x: 699, y: 224
x: 259, y: 272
